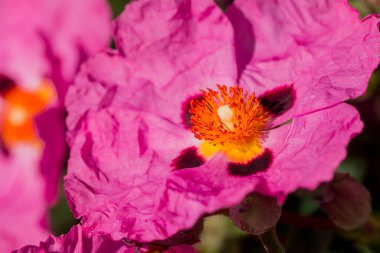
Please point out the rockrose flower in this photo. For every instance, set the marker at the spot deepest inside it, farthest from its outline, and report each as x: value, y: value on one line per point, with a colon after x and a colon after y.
x: 42, y: 45
x: 75, y: 242
x: 197, y: 108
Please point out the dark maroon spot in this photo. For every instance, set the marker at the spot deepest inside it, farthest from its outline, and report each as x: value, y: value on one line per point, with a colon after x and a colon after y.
x: 278, y: 100
x: 3, y: 149
x: 186, y: 108
x: 188, y: 158
x: 6, y: 84
x: 260, y: 163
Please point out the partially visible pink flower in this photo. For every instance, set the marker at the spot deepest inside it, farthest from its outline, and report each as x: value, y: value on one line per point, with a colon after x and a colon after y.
x: 151, y: 153
x: 46, y: 41
x: 76, y: 242
x: 42, y: 46
x: 23, y: 205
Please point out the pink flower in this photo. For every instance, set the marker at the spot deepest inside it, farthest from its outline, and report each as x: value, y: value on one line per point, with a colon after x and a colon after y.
x: 42, y: 45
x: 75, y: 242
x: 151, y: 153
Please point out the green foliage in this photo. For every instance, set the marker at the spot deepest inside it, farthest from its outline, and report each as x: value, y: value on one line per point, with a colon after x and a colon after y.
x: 117, y: 6
x: 60, y: 215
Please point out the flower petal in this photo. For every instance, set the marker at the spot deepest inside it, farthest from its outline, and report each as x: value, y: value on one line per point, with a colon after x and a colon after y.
x: 74, y: 241
x: 119, y: 164
x: 55, y: 26
x: 181, y: 46
x: 51, y: 129
x: 323, y: 48
x: 309, y: 149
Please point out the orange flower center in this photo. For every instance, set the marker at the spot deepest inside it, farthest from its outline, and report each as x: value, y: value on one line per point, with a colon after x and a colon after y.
x: 231, y: 121
x: 20, y: 107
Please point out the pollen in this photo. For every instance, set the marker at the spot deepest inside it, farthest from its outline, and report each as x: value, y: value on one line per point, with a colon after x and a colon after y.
x: 229, y: 120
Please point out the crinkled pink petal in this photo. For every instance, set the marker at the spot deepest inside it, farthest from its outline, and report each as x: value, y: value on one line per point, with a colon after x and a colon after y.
x: 22, y: 200
x: 57, y: 36
x: 102, y: 83
x: 75, y: 242
x: 119, y: 154
x: 192, y: 49
x: 322, y: 47
x: 180, y: 46
x: 311, y: 149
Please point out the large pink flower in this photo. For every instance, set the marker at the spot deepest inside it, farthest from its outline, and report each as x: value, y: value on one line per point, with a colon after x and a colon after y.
x: 42, y: 45
x: 151, y: 153
x: 75, y: 242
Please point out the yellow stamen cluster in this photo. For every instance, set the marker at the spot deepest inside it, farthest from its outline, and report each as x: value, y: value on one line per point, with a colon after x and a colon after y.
x: 227, y: 115
x: 230, y: 119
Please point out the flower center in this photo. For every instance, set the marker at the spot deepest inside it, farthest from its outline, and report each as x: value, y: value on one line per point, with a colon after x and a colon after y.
x: 231, y: 121
x: 20, y: 107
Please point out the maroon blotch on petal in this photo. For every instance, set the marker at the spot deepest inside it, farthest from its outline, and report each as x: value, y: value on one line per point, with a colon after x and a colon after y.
x: 278, y: 100
x: 260, y: 163
x: 188, y: 158
x: 3, y: 149
x: 186, y: 108
x: 6, y: 84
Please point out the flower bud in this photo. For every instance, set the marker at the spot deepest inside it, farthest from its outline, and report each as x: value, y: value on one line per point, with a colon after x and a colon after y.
x: 256, y: 214
x: 350, y: 203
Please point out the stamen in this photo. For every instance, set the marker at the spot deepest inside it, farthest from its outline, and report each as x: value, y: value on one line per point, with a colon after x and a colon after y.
x: 230, y: 120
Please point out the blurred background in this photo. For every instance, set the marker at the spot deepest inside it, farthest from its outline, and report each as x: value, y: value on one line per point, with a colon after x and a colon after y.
x: 303, y: 227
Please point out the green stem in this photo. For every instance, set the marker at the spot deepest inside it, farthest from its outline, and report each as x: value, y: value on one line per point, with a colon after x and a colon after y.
x: 271, y: 243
